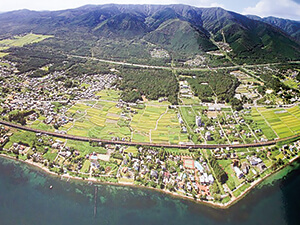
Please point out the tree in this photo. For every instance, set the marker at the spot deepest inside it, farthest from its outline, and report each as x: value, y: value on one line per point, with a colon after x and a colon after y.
x: 219, y: 172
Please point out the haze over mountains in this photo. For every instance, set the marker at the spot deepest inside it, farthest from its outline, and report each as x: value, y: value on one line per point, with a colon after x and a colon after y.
x: 180, y: 29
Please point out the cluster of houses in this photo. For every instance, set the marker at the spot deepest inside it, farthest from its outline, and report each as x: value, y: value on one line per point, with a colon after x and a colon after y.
x: 181, y: 122
x: 185, y: 90
x: 7, y: 68
x: 39, y: 108
x: 198, y: 174
x: 226, y: 125
x: 240, y: 169
x: 4, y: 135
x: 284, y: 95
x: 52, y: 87
x: 184, y: 173
x: 41, y: 91
x: 199, y: 60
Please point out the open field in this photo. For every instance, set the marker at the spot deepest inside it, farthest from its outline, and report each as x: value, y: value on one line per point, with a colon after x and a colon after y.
x: 111, y: 95
x: 20, y: 41
x: 232, y: 181
x: 285, y: 122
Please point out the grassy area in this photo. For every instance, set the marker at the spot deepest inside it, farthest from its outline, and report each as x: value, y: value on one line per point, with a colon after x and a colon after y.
x: 109, y: 94
x: 86, y: 166
x: 50, y: 155
x: 233, y: 181
x: 239, y: 191
x: 190, y: 101
x: 84, y: 147
x: 20, y: 41
x: 24, y: 136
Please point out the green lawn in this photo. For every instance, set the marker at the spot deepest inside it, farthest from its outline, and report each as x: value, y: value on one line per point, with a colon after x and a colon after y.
x: 86, y: 166
x: 233, y: 181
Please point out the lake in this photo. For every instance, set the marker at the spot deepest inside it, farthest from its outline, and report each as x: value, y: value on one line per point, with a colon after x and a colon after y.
x: 25, y: 198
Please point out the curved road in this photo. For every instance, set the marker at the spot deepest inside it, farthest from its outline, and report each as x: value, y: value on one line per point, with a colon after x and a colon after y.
x: 207, y: 146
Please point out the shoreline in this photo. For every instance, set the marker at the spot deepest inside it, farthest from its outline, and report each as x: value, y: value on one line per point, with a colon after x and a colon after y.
x: 226, y: 205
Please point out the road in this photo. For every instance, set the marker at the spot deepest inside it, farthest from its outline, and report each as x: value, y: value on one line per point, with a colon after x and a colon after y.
x: 236, y: 66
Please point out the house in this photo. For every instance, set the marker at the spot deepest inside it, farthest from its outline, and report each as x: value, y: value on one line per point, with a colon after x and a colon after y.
x: 55, y: 145
x: 261, y: 167
x: 254, y: 161
x: 198, y: 121
x: 238, y: 172
x: 198, y: 166
x: 154, y: 174
x: 65, y: 154
x: 245, y: 168
x: 208, y: 136
x: 211, y: 179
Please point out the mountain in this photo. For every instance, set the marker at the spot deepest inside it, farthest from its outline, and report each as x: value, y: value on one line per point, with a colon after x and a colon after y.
x: 132, y: 31
x: 291, y: 27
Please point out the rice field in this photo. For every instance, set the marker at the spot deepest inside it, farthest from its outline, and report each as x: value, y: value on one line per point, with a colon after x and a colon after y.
x: 284, y: 121
x: 260, y: 123
x: 168, y: 129
x: 156, y: 124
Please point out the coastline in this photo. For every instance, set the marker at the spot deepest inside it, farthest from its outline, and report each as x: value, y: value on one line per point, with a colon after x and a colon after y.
x: 226, y: 205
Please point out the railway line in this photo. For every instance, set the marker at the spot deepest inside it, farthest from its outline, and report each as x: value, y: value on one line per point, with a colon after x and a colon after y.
x: 183, y: 146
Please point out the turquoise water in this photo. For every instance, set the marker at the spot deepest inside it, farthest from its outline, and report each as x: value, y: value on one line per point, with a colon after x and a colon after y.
x: 25, y: 198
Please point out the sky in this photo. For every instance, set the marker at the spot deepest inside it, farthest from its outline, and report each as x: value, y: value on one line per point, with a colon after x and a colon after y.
x: 289, y: 9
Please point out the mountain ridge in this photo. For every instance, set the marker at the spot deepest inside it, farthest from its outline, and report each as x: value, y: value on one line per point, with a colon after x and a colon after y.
x: 250, y: 38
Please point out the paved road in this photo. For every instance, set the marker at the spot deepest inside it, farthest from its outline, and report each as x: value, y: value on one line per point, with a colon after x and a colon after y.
x: 176, y: 68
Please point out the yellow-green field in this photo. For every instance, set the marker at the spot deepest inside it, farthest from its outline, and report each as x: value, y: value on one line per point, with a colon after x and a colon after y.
x: 262, y: 124
x: 102, y: 119
x: 110, y: 95
x: 20, y: 41
x: 284, y: 121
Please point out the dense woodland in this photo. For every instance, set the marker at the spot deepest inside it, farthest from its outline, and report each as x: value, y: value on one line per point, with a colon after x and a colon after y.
x: 215, y: 83
x: 151, y: 83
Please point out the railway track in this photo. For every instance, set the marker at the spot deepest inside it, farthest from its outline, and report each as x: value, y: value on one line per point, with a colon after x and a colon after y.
x: 183, y: 146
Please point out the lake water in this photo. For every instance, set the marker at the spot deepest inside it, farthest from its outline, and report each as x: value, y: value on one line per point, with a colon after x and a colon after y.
x: 25, y: 199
